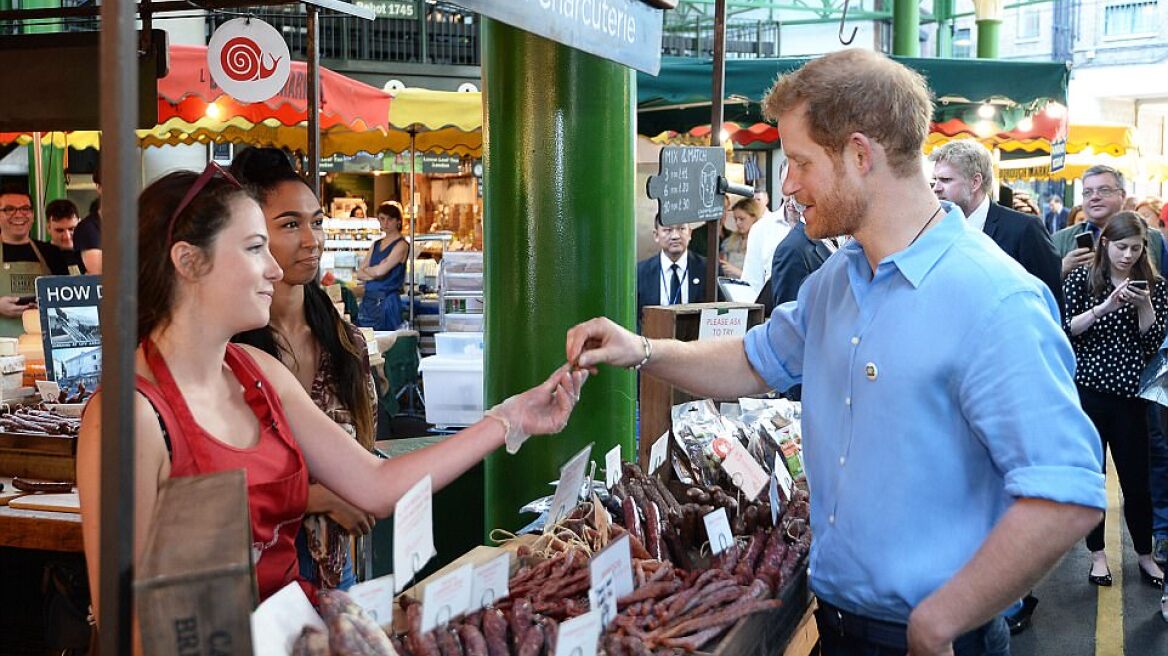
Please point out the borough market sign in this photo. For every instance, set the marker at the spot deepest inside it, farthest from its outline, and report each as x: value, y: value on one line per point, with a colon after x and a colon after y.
x: 625, y: 31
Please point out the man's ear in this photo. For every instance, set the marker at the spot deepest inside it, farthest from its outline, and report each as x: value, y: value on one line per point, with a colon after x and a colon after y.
x: 860, y: 151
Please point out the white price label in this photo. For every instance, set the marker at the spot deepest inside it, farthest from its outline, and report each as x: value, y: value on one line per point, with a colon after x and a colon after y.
x: 657, y: 453
x: 612, y: 467
x: 602, y: 598
x: 413, y: 533
x: 614, y: 562
x: 718, y: 531
x: 376, y: 597
x: 490, y: 582
x: 277, y: 622
x: 579, y: 636
x: 447, y: 597
x: 742, y: 468
x: 786, y: 483
x: 568, y: 488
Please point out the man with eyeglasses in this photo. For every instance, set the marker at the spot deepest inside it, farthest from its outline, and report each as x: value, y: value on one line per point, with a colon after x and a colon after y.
x: 22, y: 260
x: 1103, y: 197
x: 675, y: 275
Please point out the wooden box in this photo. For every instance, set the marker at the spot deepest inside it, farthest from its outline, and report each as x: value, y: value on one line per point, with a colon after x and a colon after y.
x: 775, y: 631
x: 658, y: 397
x: 195, y: 588
x: 41, y: 456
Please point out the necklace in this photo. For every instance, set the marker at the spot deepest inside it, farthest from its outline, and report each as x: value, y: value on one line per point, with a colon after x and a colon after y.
x: 922, y: 230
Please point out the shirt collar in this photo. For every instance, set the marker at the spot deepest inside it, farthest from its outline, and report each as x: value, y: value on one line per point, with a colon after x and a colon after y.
x: 682, y: 263
x: 977, y: 219
x: 915, y: 261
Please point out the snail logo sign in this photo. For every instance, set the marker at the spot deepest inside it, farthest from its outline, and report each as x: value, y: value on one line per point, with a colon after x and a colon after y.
x: 625, y: 31
x: 248, y: 59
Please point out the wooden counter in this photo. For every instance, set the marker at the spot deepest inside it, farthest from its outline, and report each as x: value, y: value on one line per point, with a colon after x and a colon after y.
x: 38, y: 529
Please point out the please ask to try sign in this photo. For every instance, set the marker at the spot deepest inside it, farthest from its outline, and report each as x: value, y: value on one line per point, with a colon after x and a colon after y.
x: 625, y: 31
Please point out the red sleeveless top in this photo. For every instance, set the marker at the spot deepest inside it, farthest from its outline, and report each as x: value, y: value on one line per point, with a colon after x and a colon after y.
x: 277, y: 477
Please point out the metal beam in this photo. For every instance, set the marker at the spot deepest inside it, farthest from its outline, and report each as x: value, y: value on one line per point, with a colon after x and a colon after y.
x: 313, y: 97
x: 119, y: 167
x: 181, y: 5
x: 718, y: 72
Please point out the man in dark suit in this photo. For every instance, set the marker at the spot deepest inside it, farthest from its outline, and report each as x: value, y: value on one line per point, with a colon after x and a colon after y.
x: 797, y: 257
x: 673, y: 276
x: 962, y: 173
x: 1056, y: 215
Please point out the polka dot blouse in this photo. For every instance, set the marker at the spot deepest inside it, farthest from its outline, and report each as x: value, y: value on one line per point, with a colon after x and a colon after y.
x: 1111, y: 354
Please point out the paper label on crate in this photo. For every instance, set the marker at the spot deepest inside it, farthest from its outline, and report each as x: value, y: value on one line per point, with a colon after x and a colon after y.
x: 447, y: 597
x: 49, y: 390
x: 614, y: 561
x: 602, y: 598
x: 718, y: 531
x: 785, y: 482
x: 491, y: 582
x: 612, y: 467
x: 568, y: 488
x: 657, y: 453
x: 722, y: 323
x: 413, y: 533
x: 579, y: 636
x: 277, y: 622
x: 376, y: 597
x: 743, y: 470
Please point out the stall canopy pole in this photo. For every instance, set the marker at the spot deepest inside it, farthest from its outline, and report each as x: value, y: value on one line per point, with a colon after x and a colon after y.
x: 313, y: 171
x: 39, y: 186
x: 119, y: 307
x: 714, y: 228
x: 412, y: 269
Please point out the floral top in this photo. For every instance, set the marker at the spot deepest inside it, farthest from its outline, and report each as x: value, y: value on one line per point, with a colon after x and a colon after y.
x: 327, y: 541
x: 1111, y: 354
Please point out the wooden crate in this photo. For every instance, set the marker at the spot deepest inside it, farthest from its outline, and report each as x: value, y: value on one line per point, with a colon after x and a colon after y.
x: 41, y: 456
x: 775, y: 631
x: 195, y: 588
x: 658, y: 397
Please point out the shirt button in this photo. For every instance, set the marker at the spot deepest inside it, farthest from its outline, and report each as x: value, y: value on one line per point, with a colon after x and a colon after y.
x: 848, y: 401
x: 842, y: 461
x: 855, y: 340
x: 831, y: 519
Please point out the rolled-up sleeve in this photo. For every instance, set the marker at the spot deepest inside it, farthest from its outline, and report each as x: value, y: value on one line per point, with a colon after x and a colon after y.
x: 775, y: 348
x: 1018, y: 393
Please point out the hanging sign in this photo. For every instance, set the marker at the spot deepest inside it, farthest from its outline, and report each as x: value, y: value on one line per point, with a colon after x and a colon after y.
x: 690, y: 184
x: 390, y: 8
x: 248, y: 59
x: 1058, y: 154
x: 624, y: 31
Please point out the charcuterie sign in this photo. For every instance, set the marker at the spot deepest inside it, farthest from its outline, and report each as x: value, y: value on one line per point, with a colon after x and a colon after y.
x: 248, y: 59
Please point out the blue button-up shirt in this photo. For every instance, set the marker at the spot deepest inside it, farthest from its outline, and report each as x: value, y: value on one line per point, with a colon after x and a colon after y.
x: 935, y: 392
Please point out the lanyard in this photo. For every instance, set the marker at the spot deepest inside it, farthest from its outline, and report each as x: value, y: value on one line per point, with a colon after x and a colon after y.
x: 681, y: 273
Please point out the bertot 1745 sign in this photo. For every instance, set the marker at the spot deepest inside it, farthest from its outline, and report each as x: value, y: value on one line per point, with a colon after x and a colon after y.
x: 625, y: 31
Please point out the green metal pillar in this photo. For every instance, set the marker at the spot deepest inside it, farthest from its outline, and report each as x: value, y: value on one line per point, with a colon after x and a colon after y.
x: 559, y: 239
x: 943, y: 12
x: 987, y: 38
x: 906, y: 28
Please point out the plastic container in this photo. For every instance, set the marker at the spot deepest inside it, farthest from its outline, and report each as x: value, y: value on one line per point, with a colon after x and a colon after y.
x: 463, y: 262
x: 454, y: 390
x: 463, y: 282
x: 11, y: 372
x: 459, y: 345
x: 463, y: 323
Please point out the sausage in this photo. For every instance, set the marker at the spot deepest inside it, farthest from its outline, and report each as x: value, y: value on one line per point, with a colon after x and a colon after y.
x: 36, y: 485
x: 653, y: 527
x: 473, y: 642
x: 532, y: 644
x: 495, y: 632
x: 311, y: 642
x: 448, y: 643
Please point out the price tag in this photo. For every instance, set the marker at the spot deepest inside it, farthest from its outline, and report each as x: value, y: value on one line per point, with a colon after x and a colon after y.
x: 718, y: 530
x: 602, y: 598
x: 657, y: 453
x: 774, y: 497
x: 413, y: 533
x: 743, y: 470
x: 447, y: 597
x: 616, y: 562
x: 612, y: 467
x: 277, y: 622
x: 568, y: 488
x: 722, y: 323
x: 579, y: 636
x: 785, y: 482
x: 490, y: 582
x: 376, y: 597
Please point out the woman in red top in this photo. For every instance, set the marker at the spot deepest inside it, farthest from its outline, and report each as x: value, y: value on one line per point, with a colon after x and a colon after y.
x: 205, y: 405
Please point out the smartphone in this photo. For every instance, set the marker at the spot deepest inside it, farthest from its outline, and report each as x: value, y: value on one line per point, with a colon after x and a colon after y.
x: 1085, y: 240
x: 25, y: 300
x: 1139, y: 284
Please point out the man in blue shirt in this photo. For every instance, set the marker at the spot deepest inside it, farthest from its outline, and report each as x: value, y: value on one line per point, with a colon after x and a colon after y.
x: 949, y: 463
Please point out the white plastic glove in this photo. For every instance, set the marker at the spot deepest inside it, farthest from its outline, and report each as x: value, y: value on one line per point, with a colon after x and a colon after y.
x: 541, y: 410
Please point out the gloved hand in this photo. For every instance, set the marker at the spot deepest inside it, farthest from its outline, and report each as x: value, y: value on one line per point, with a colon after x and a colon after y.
x: 541, y: 410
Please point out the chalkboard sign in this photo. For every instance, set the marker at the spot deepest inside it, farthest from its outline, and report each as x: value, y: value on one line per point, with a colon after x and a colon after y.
x: 687, y: 184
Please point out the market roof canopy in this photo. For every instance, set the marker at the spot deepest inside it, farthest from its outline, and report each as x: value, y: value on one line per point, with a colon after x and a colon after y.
x: 442, y: 121
x: 1114, y: 140
x: 667, y: 101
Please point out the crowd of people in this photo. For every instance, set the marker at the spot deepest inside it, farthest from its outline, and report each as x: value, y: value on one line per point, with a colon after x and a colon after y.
x: 1012, y: 343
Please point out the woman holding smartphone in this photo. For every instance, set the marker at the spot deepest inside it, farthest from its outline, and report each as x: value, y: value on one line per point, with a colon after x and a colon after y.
x: 1115, y: 316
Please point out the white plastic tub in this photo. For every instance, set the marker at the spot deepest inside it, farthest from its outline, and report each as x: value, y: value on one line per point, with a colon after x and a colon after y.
x: 453, y: 387
x: 463, y: 323
x: 459, y: 345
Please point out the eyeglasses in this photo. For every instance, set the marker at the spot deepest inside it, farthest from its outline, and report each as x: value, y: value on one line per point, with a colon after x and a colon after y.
x: 9, y: 210
x: 1102, y: 192
x: 200, y: 183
